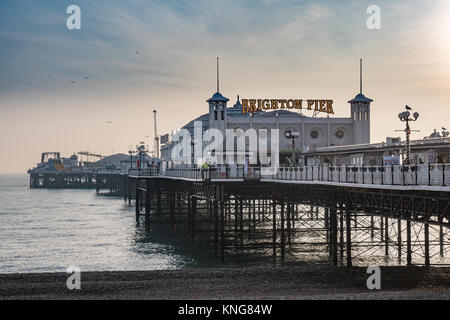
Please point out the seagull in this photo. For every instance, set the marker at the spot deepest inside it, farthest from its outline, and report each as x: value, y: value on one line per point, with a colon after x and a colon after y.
x: 137, y: 52
x: 408, y: 107
x: 444, y: 128
x: 108, y: 122
x: 85, y: 78
x: 72, y: 82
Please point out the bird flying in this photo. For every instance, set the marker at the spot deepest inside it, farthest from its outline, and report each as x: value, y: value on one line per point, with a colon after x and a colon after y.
x: 408, y: 107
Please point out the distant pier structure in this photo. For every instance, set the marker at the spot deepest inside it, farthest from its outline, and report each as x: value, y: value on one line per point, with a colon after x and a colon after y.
x: 56, y: 172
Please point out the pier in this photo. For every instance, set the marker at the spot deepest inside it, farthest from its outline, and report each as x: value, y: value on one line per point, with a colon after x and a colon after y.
x: 54, y: 172
x: 338, y: 213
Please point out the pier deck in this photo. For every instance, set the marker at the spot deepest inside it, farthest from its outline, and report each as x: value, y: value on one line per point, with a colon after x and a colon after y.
x: 340, y: 218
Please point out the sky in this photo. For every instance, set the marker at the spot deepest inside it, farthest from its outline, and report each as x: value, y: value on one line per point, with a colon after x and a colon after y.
x: 267, y: 49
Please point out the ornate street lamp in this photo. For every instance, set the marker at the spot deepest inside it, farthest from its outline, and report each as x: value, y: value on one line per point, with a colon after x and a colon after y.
x: 292, y: 135
x: 406, y: 117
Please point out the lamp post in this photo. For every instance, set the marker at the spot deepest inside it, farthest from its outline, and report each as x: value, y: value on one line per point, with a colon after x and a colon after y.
x: 292, y: 135
x: 406, y: 117
x: 131, y: 158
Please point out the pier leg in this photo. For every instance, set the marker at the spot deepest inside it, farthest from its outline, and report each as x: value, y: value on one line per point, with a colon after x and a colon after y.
x: 147, y: 207
x: 288, y: 213
x: 189, y: 212
x: 282, y: 237
x: 399, y: 238
x: 178, y: 200
x: 172, y: 209
x: 249, y: 215
x: 236, y: 221
x: 125, y: 187
x: 372, y: 228
x: 129, y: 192
x: 222, y: 231
x: 349, y: 236
x: 408, y: 243
x: 216, y: 228
x: 327, y: 229
x: 264, y: 204
x: 158, y: 201
x: 334, y: 235
x: 193, y: 213
x: 274, y: 229
x: 254, y: 214
x: 386, y: 236
x: 241, y: 222
x: 427, y: 244
x: 341, y: 233
x: 441, y: 241
x: 138, y: 200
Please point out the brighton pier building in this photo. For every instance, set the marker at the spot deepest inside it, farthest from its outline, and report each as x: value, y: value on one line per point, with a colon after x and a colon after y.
x: 312, y: 132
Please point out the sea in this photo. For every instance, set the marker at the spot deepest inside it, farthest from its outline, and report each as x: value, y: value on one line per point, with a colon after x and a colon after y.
x: 50, y: 230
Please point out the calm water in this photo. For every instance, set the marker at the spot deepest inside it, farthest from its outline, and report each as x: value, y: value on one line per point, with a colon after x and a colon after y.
x: 49, y: 230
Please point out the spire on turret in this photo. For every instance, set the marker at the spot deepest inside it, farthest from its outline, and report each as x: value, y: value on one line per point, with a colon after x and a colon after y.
x: 360, y: 75
x: 217, y: 96
x: 360, y: 97
x: 238, y: 103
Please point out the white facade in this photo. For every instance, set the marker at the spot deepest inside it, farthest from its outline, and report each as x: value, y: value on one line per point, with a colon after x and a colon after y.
x: 314, y: 132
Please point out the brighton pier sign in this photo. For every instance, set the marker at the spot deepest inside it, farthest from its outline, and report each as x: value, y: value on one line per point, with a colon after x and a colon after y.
x: 252, y: 105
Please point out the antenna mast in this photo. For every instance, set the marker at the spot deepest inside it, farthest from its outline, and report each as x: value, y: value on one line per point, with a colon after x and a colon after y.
x: 217, y: 74
x: 360, y: 75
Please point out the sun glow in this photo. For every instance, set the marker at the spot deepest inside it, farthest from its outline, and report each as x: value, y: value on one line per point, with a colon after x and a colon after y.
x: 441, y: 29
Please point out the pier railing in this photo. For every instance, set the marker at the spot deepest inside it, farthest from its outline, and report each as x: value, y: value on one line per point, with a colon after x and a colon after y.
x: 215, y: 173
x: 421, y: 174
x: 145, y: 172
x: 406, y: 175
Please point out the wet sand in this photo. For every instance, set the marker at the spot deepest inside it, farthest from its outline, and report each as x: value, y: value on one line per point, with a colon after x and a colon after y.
x: 312, y: 282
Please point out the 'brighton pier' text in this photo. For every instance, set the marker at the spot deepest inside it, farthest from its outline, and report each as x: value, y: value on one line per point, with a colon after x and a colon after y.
x: 252, y: 105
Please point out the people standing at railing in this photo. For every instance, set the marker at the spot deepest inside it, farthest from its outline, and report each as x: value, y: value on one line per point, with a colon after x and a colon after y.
x: 204, y: 169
